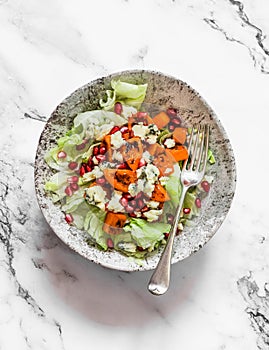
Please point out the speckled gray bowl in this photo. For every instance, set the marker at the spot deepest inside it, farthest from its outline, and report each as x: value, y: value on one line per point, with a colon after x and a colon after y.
x: 164, y: 91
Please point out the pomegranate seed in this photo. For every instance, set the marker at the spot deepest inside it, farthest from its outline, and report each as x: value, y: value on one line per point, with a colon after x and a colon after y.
x: 176, y: 121
x: 198, y: 202
x: 142, y: 163
x: 95, y: 150
x: 127, y: 196
x: 178, y: 232
x: 72, y: 179
x: 74, y: 186
x: 145, y: 208
x: 140, y: 249
x: 205, y: 185
x: 88, y: 169
x: 129, y: 209
x: 90, y: 162
x: 72, y: 165
x: 110, y: 243
x: 124, y: 129
x: 101, y: 181
x: 186, y: 210
x: 61, y: 155
x: 171, y: 112
x: 69, y: 218
x: 82, y: 171
x: 80, y: 147
x: 132, y: 215
x: 131, y: 133
x: 102, y: 150
x: 139, y: 195
x: 171, y: 127
x: 140, y: 203
x: 166, y: 235
x: 170, y: 218
x: 122, y: 166
x: 141, y: 115
x: 133, y: 203
x: 124, y: 201
x: 114, y: 129
x: 118, y: 108
x: 100, y: 157
x: 68, y: 191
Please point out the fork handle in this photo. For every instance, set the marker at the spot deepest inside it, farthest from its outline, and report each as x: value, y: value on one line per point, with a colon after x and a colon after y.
x: 160, y: 279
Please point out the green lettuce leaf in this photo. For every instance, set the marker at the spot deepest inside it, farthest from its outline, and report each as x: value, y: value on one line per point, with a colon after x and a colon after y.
x: 93, y: 224
x: 146, y: 234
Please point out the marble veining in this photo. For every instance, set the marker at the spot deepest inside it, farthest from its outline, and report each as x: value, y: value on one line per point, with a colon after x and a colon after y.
x: 51, y: 298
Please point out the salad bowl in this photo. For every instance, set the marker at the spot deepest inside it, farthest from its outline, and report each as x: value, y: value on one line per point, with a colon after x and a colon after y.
x: 163, y: 92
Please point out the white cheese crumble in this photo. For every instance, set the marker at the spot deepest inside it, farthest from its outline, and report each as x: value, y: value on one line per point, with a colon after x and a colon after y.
x: 140, y: 130
x: 163, y: 180
x: 152, y: 173
x: 153, y: 204
x: 151, y: 139
x: 94, y: 174
x: 114, y: 203
x: 116, y: 139
x: 95, y: 195
x: 169, y: 143
x: 147, y: 157
x: 152, y: 215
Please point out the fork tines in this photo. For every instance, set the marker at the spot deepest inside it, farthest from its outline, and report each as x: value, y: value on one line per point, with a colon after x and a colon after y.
x: 198, y: 147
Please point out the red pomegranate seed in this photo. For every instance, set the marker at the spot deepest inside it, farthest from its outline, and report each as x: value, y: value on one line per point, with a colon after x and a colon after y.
x: 69, y: 218
x: 88, y: 169
x: 100, y: 157
x: 198, y: 202
x: 82, y: 171
x: 74, y: 186
x: 90, y: 162
x: 114, y: 129
x: 140, y: 249
x: 124, y: 201
x: 110, y: 243
x: 132, y: 215
x: 132, y: 203
x: 95, y: 150
x: 72, y: 165
x: 124, y: 129
x: 166, y: 235
x: 127, y: 196
x: 118, y: 108
x: 142, y: 163
x: 122, y: 166
x: 140, y: 203
x: 72, y: 179
x: 102, y: 150
x: 139, y: 195
x: 171, y: 112
x: 176, y: 121
x: 129, y: 209
x: 61, y: 155
x: 68, y: 191
x: 186, y: 210
x: 131, y: 133
x: 171, y: 127
x: 80, y: 146
x: 205, y: 185
x: 101, y: 181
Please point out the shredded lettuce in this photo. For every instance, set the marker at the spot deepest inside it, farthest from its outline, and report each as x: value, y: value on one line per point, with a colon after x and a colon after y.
x: 146, y: 234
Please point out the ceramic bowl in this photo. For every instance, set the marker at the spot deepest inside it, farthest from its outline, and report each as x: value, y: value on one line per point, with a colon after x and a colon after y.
x: 164, y: 91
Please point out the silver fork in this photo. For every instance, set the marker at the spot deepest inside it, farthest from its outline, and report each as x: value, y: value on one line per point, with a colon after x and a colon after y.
x: 193, y: 171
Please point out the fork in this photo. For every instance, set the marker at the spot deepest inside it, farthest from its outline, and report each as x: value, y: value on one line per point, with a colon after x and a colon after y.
x: 192, y: 173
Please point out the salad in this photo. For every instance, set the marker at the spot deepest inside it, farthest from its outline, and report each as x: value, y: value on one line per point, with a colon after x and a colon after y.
x: 116, y: 172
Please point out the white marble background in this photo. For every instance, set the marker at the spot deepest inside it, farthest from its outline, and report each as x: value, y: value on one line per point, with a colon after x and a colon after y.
x: 51, y: 298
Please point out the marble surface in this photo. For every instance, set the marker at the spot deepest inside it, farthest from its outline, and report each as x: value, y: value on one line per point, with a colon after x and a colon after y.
x: 51, y: 298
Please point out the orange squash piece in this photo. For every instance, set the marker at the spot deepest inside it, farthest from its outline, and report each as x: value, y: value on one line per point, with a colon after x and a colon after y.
x: 161, y: 120
x: 114, y: 222
x: 132, y: 152
x: 179, y: 135
x: 162, y: 159
x: 120, y: 179
x: 159, y: 194
x: 179, y: 152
